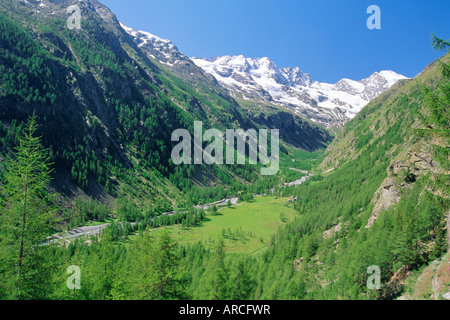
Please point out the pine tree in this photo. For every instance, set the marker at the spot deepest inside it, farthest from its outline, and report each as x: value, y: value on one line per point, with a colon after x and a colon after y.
x: 25, y: 219
x: 241, y: 281
x: 154, y: 270
x: 216, y: 276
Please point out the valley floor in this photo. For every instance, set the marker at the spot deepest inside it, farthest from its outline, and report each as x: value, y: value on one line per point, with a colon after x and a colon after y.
x: 246, y: 228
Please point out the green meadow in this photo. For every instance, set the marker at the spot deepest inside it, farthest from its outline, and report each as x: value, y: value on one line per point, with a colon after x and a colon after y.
x: 245, y: 228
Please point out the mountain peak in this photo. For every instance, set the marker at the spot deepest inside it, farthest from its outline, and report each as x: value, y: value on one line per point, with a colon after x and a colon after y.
x: 329, y: 104
x: 145, y: 38
x: 391, y: 76
x: 261, y: 79
x: 158, y: 48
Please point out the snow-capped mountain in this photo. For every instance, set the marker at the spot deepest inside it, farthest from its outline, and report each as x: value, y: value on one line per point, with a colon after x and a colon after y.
x: 161, y: 49
x: 166, y: 53
x: 329, y: 104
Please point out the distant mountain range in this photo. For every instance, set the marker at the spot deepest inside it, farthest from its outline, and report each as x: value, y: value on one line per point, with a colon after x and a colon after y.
x: 107, y: 99
x: 331, y: 105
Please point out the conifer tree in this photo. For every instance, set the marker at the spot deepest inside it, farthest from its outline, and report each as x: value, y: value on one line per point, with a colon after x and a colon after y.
x: 214, y: 280
x: 26, y: 217
x: 154, y: 270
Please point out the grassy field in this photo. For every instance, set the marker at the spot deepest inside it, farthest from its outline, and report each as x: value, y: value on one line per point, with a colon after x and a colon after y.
x: 246, y: 228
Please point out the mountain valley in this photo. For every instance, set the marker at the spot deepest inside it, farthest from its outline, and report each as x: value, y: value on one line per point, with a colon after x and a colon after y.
x: 87, y: 177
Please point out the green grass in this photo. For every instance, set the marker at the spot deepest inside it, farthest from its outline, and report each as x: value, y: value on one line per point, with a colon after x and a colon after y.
x: 251, y: 224
x: 92, y: 223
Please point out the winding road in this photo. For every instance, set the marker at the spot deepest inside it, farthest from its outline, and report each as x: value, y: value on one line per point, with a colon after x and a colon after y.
x: 92, y: 230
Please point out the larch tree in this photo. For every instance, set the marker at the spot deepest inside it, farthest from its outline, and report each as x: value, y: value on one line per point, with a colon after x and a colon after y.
x: 26, y: 217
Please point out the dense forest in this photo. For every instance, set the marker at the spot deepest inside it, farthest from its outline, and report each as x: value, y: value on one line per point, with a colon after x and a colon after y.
x: 155, y: 267
x: 85, y: 124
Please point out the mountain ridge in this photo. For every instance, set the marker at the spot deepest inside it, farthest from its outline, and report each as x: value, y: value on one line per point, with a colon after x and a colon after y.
x: 107, y: 110
x: 330, y: 105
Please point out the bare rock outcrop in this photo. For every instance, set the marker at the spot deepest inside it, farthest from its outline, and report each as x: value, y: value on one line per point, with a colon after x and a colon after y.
x: 331, y: 232
x: 404, y: 171
x: 388, y: 194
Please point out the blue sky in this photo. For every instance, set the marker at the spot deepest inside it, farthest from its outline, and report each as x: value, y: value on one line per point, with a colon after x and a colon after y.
x: 328, y: 39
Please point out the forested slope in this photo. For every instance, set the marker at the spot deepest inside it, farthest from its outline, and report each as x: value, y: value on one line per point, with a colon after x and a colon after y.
x: 106, y: 110
x: 385, y: 201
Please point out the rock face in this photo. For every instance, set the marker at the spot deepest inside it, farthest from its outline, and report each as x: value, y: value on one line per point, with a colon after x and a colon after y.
x: 331, y: 232
x: 387, y: 195
x: 417, y: 163
x: 407, y: 167
x: 432, y: 283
